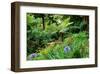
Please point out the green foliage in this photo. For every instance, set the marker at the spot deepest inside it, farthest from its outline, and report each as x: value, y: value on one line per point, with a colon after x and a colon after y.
x: 57, y: 27
x: 79, y: 22
x: 37, y: 37
x: 49, y: 34
x: 77, y: 42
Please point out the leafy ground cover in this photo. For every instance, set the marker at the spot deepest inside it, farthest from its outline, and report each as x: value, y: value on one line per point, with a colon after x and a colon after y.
x: 74, y: 46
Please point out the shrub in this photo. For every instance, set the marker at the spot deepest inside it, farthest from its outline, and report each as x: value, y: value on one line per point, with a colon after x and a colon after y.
x: 78, y: 44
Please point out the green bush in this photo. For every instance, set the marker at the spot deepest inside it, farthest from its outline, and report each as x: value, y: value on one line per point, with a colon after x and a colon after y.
x: 77, y: 42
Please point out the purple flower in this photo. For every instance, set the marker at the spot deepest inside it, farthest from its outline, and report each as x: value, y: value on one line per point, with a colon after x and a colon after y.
x: 66, y: 49
x: 32, y: 56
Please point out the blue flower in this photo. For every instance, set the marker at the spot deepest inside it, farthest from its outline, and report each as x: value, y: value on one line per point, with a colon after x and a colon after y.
x: 32, y: 56
x: 66, y: 49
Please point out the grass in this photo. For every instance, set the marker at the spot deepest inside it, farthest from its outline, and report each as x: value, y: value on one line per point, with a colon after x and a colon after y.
x: 79, y: 48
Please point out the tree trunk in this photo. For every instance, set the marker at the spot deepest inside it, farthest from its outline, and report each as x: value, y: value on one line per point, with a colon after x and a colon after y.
x: 62, y: 36
x: 86, y: 22
x: 43, y: 22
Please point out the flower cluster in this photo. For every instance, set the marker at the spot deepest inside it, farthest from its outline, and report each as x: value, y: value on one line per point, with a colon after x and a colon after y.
x: 32, y: 56
x: 66, y: 49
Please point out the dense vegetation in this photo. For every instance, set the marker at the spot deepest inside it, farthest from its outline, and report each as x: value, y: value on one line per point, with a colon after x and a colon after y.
x: 52, y: 36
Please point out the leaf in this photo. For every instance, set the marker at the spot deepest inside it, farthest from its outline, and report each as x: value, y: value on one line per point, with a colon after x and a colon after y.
x: 30, y: 19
